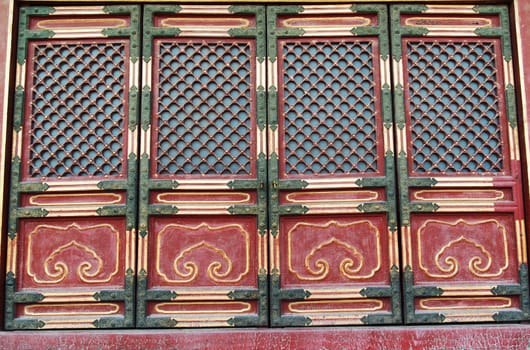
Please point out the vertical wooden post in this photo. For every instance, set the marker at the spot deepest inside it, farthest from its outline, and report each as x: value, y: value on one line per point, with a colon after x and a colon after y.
x: 6, y: 25
x: 522, y: 63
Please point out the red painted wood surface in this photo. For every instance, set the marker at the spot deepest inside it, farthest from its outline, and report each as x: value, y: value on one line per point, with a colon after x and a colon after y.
x: 502, y: 337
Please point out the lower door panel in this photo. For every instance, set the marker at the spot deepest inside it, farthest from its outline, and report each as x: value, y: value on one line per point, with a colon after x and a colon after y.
x: 202, y: 246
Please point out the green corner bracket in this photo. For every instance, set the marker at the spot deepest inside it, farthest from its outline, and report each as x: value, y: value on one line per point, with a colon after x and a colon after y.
x: 277, y: 295
x: 261, y: 295
x: 109, y: 322
x: 12, y: 298
x: 273, y: 33
x: 243, y: 210
x: 410, y: 292
x: 28, y: 298
x: 142, y: 296
x: 150, y: 31
x: 393, y: 292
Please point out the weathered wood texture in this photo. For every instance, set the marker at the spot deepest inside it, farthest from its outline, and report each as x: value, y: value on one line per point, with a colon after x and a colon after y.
x: 505, y: 337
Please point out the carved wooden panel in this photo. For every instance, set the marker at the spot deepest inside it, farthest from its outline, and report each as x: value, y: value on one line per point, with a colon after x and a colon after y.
x: 464, y: 247
x: 71, y: 246
x: 333, y: 228
x: 202, y: 245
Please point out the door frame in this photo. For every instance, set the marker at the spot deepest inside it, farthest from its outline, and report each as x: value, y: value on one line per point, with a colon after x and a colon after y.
x: 7, y: 75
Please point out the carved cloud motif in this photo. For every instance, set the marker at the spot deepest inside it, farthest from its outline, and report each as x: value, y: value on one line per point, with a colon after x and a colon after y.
x: 462, y: 248
x: 334, y: 251
x: 72, y: 254
x: 203, y: 254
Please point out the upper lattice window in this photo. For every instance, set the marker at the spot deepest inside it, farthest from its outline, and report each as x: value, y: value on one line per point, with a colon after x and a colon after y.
x: 77, y: 112
x: 454, y: 107
x: 204, y: 108
x: 329, y: 106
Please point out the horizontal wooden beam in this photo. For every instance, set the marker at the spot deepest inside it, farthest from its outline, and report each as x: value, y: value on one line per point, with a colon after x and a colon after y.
x: 426, y: 337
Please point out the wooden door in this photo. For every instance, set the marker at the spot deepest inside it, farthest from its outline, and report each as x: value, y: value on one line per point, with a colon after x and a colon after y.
x: 202, y: 226
x: 288, y: 160
x: 332, y: 215
x: 71, y: 236
x: 459, y: 168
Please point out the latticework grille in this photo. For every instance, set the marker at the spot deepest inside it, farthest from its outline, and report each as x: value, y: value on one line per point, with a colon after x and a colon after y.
x: 454, y: 107
x: 77, y: 116
x: 204, y: 108
x: 329, y: 107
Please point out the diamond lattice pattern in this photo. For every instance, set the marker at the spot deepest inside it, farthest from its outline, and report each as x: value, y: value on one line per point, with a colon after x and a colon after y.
x: 329, y: 108
x: 454, y: 107
x: 77, y: 116
x: 204, y: 108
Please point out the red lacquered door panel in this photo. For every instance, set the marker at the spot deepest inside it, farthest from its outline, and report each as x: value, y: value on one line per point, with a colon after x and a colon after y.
x: 462, y: 215
x: 333, y: 229
x: 202, y: 235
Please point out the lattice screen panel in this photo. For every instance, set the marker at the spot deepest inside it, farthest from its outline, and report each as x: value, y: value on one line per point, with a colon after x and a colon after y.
x: 329, y: 83
x: 205, y: 103
x: 455, y: 111
x: 333, y: 239
x: 77, y: 112
x: 462, y: 216
x: 202, y: 226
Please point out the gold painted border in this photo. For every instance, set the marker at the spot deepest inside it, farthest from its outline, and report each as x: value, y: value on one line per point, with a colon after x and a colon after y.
x: 78, y: 10
x: 85, y: 23
x: 507, y: 304
x: 68, y: 297
x: 499, y: 195
x: 244, y: 307
x: 115, y: 308
x: 246, y: 198
x: 245, y: 23
x: 11, y: 261
x: 453, y: 9
x: 33, y: 200
x: 292, y: 306
x: 363, y: 22
x: 487, y: 24
x: 69, y: 323
x: 371, y: 196
x: 263, y: 258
